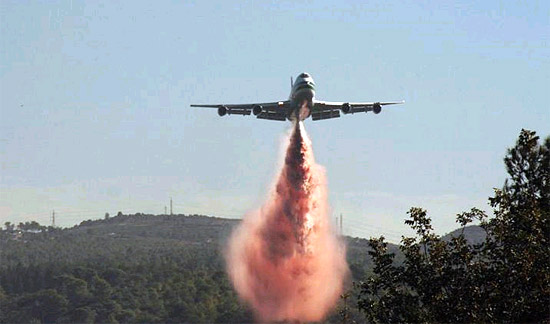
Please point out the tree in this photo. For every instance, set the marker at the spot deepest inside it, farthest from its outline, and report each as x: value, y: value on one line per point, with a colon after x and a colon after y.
x: 82, y: 315
x: 504, y: 279
x: 76, y: 291
x: 45, y: 305
x: 519, y: 244
x: 9, y: 227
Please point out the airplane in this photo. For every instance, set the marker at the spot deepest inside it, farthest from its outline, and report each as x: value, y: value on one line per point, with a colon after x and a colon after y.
x: 300, y: 105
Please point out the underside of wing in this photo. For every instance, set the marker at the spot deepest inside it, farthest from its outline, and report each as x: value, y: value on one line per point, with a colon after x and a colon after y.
x: 266, y: 110
x: 322, y: 108
x: 325, y: 114
x: 281, y: 116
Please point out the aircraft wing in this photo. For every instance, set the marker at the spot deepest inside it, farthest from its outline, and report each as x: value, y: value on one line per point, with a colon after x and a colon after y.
x: 266, y: 110
x: 331, y: 109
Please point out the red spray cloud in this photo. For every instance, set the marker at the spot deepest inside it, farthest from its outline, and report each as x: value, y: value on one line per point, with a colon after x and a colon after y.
x: 285, y: 259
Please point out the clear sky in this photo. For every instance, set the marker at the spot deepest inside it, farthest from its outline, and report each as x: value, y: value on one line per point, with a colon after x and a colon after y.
x: 95, y: 117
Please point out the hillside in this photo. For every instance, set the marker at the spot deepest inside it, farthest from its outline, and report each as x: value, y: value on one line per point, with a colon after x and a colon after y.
x: 137, y: 235
x: 177, y: 258
x: 160, y: 255
x: 473, y: 234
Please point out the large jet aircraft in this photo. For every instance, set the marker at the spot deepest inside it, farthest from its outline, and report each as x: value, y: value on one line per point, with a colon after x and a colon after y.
x: 300, y: 105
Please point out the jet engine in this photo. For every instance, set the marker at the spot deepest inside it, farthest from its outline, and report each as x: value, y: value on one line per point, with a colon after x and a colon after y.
x: 346, y: 108
x: 257, y: 109
x: 376, y: 108
x: 222, y: 111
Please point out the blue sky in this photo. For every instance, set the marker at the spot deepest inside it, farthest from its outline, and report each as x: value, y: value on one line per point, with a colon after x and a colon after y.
x: 95, y: 117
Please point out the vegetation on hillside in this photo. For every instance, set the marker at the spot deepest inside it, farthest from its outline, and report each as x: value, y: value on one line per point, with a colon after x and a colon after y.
x: 138, y: 268
x: 160, y: 269
x: 503, y: 278
x: 127, y: 268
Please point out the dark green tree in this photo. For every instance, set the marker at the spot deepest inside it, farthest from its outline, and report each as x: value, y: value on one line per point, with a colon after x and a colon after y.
x: 504, y: 279
x: 519, y: 244
x: 9, y: 227
x: 46, y: 306
x: 81, y: 315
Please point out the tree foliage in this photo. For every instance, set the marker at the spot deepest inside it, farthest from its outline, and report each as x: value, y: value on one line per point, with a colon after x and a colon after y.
x: 506, y: 278
x: 129, y: 268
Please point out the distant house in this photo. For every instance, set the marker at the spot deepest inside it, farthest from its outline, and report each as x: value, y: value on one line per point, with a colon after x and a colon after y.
x: 17, y: 235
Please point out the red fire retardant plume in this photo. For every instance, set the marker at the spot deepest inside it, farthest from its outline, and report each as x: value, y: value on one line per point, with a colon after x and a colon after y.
x: 285, y: 259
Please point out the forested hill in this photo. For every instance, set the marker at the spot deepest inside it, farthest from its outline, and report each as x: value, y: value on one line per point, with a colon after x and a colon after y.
x: 140, y: 268
x: 192, y: 229
x: 124, y: 238
x: 136, y: 236
x: 153, y: 268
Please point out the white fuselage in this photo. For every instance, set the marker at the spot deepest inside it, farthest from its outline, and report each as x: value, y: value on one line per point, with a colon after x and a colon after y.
x: 301, y: 97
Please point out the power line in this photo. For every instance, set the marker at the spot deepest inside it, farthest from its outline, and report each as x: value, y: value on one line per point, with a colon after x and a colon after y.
x: 374, y: 230
x: 365, y: 223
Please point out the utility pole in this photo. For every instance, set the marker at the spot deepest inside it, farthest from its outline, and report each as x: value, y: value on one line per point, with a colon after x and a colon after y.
x: 53, y: 218
x: 165, y: 210
x: 171, y: 210
x: 341, y: 221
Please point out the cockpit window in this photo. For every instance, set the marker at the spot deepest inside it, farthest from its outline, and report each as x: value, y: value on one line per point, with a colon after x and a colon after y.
x: 304, y: 75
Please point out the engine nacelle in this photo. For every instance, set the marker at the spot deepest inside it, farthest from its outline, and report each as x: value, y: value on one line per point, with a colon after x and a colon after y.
x: 257, y: 109
x: 376, y: 108
x: 346, y: 108
x: 222, y: 111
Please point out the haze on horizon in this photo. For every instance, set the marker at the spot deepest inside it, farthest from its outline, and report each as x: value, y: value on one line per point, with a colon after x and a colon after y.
x: 94, y: 100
